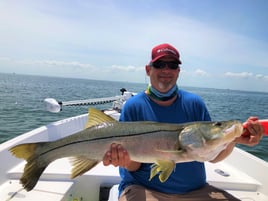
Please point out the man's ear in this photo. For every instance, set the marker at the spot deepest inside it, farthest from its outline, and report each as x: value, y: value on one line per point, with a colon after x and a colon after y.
x: 147, y: 69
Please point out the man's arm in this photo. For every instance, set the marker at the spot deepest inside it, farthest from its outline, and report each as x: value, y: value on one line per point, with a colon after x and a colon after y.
x: 224, y: 153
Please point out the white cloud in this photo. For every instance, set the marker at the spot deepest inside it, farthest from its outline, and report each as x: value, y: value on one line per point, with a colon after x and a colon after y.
x: 239, y: 75
x: 4, y: 59
x: 127, y: 68
x: 246, y: 75
x: 261, y: 76
x: 64, y: 63
x: 200, y: 72
x: 54, y: 63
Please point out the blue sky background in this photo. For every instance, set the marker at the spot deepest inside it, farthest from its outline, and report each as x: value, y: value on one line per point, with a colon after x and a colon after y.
x: 223, y: 43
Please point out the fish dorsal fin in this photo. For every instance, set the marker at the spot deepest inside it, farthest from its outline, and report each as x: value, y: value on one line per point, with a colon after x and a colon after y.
x: 81, y: 164
x: 96, y: 117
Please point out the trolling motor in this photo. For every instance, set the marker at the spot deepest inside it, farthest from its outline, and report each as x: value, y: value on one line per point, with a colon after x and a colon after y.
x: 52, y: 105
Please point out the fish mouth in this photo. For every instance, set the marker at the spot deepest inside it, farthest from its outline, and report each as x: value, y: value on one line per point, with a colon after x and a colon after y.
x: 233, y: 131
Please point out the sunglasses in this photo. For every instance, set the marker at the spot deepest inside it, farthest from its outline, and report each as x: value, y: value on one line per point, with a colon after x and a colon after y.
x: 162, y: 64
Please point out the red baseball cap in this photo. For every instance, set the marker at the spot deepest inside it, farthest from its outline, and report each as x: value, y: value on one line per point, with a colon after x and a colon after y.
x: 165, y: 49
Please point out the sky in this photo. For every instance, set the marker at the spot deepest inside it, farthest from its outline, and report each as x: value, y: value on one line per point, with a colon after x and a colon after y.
x: 223, y: 43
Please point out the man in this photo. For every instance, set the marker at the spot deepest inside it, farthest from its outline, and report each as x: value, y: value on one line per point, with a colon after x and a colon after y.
x: 164, y: 102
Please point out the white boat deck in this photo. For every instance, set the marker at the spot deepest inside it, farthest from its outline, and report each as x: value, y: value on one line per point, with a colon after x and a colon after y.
x: 44, y: 190
x: 55, y: 183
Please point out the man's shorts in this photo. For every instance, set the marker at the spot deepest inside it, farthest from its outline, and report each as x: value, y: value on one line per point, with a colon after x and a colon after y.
x: 206, y: 193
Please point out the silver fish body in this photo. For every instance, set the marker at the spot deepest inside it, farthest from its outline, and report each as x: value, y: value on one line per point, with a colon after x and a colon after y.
x: 148, y: 142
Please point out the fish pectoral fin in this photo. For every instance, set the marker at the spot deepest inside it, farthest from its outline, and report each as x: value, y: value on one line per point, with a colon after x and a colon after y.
x: 162, y: 167
x: 81, y: 164
x: 96, y: 117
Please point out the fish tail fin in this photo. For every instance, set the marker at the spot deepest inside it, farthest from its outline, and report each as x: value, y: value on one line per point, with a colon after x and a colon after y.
x: 24, y: 151
x: 33, y: 168
x: 31, y: 174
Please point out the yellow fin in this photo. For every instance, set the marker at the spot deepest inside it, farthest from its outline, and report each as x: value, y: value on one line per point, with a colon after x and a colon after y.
x: 24, y: 151
x: 33, y: 168
x: 162, y: 167
x: 96, y: 117
x: 81, y: 164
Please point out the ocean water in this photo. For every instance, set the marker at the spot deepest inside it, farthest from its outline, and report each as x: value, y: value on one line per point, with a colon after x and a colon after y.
x: 22, y: 108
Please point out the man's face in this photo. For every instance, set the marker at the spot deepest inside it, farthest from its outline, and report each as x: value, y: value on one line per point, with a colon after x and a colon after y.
x: 165, y: 77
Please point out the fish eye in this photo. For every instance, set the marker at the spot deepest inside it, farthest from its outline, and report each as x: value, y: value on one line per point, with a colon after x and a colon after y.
x: 217, y: 124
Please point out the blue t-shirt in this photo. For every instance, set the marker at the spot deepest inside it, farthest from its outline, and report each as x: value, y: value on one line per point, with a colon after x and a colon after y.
x: 187, y: 176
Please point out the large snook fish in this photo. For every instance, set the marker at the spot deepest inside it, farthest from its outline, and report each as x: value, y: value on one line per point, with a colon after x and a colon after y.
x: 148, y: 142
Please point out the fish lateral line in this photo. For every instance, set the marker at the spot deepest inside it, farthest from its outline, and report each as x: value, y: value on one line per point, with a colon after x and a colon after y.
x: 104, y: 138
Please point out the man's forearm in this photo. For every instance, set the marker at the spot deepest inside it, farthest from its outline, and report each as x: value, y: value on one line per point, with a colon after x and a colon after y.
x: 133, y: 166
x: 226, y: 152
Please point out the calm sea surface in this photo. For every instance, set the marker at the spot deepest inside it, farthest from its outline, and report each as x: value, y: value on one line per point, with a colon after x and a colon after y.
x: 22, y: 107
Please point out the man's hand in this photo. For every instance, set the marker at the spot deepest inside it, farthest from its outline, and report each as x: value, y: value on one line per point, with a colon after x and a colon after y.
x: 252, y: 133
x: 118, y: 156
